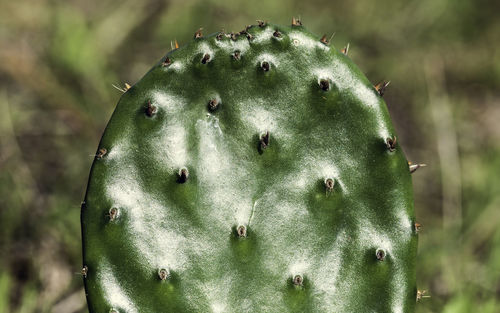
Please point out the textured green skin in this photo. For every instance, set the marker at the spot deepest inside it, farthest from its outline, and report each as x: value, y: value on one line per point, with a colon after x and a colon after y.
x: 294, y: 225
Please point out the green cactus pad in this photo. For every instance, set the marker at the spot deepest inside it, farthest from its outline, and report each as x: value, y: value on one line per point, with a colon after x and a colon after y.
x: 250, y: 172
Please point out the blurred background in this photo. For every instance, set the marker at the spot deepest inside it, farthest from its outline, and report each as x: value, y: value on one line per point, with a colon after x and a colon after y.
x: 60, y: 59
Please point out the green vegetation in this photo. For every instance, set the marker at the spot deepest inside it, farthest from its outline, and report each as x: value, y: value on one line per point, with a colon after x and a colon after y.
x: 59, y: 59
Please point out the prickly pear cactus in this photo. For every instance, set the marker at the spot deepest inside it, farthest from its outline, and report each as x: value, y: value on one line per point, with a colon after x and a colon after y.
x: 256, y: 171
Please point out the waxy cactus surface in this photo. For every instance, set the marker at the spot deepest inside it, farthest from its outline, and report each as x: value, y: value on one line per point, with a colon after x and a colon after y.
x: 256, y: 171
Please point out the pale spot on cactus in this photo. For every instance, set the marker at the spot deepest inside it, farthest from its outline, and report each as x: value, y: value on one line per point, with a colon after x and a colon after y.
x: 171, y: 140
x: 171, y: 104
x: 404, y: 223
x: 269, y: 58
x: 324, y: 76
x: 204, y: 48
x: 116, y: 152
x: 344, y: 79
x: 397, y: 304
x: 218, y: 307
x: 211, y: 137
x: 112, y: 290
x: 217, y: 292
x: 229, y: 46
x: 299, y: 182
x: 171, y: 144
x: 218, y: 188
x: 299, y: 265
x: 264, y: 36
x: 306, y: 176
x: 177, y: 66
x: 370, y: 236
x: 310, y: 167
x: 326, y: 278
x: 259, y: 117
x: 301, y: 40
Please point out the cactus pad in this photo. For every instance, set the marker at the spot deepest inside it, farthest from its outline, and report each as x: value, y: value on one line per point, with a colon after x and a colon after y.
x: 256, y: 171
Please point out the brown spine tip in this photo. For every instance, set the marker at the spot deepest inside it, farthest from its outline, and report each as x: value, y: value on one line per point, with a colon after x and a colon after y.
x: 380, y: 254
x: 163, y: 273
x: 415, y: 167
x: 205, y: 59
x: 380, y: 87
x: 345, y: 50
x: 298, y: 280
x: 277, y: 34
x: 176, y: 44
x: 249, y: 36
x: 329, y: 183
x: 237, y: 55
x: 101, y: 153
x: 264, y: 140
x: 296, y: 22
x: 183, y: 175
x: 150, y: 110
x: 85, y: 271
x: 421, y: 294
x: 233, y: 36
x: 113, y: 214
x: 265, y: 66
x: 198, y: 33
x: 324, y: 40
x: 213, y: 104
x: 261, y: 23
x: 417, y: 227
x: 241, y: 231
x: 391, y: 143
x: 324, y: 84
